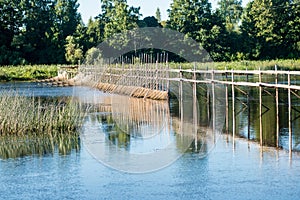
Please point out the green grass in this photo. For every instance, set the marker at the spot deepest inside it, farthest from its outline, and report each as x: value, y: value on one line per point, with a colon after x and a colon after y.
x: 291, y: 65
x: 22, y: 115
x: 36, y: 72
x: 27, y: 72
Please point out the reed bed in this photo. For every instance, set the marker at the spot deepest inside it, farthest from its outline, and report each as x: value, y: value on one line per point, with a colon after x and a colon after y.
x: 22, y: 115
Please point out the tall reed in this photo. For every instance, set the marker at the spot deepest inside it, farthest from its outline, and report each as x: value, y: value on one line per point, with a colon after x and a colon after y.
x: 21, y: 115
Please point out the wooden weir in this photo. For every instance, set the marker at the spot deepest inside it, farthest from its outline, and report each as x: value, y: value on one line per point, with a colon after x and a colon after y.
x: 152, y: 80
x: 257, y: 81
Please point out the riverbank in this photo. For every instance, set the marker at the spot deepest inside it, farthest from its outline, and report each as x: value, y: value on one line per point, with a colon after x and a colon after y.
x: 292, y: 65
x: 27, y: 72
x: 39, y: 72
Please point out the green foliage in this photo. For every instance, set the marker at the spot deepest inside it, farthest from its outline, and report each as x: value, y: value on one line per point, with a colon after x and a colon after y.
x: 243, y: 65
x: 230, y: 11
x: 27, y: 72
x: 36, y: 31
x: 271, y: 28
x: 197, y: 20
x: 73, y: 52
x: 93, y: 56
x: 151, y: 22
x: 118, y: 16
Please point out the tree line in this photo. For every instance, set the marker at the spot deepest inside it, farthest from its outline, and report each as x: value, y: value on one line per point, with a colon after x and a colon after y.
x: 52, y: 31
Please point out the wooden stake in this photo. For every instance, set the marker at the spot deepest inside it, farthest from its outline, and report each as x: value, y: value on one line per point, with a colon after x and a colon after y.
x: 233, y: 107
x: 290, y: 114
x: 227, y: 106
x: 277, y: 111
x: 248, y: 108
x: 213, y: 104
x: 260, y: 113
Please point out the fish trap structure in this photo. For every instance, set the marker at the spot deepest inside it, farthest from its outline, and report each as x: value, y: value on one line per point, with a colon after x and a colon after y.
x: 145, y: 77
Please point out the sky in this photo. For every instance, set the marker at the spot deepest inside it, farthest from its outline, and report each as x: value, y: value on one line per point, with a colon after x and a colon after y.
x: 92, y: 8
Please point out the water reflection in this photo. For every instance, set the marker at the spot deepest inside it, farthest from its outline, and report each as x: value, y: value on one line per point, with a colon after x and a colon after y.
x: 21, y: 146
x: 248, y: 119
x: 127, y: 133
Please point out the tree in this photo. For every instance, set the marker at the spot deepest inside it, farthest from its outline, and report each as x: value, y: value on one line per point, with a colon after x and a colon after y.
x: 189, y: 17
x: 34, y: 39
x: 196, y: 19
x: 294, y: 29
x: 73, y: 51
x: 93, y: 56
x: 230, y: 11
x: 95, y: 32
x: 10, y: 23
x: 158, y: 15
x: 118, y: 16
x: 251, y: 46
x: 38, y: 29
x: 266, y: 23
x: 151, y: 22
x: 66, y: 21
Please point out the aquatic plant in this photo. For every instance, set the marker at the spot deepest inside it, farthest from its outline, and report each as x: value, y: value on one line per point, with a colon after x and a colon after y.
x: 21, y: 115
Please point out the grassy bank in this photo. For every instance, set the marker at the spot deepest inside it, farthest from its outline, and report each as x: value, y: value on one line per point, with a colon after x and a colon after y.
x: 27, y: 72
x: 291, y: 65
x: 36, y: 72
x: 30, y: 116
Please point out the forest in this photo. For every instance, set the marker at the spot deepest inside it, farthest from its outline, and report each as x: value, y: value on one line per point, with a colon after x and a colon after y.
x: 52, y: 31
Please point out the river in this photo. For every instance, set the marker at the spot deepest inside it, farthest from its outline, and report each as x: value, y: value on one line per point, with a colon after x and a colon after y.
x: 89, y: 167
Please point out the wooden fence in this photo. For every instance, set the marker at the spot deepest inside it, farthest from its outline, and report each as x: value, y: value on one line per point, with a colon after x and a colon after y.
x: 156, y: 78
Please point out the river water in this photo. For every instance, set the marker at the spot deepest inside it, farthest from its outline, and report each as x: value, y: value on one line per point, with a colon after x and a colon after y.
x: 89, y: 166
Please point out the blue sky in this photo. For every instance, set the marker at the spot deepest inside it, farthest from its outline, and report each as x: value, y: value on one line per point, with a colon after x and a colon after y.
x: 91, y: 8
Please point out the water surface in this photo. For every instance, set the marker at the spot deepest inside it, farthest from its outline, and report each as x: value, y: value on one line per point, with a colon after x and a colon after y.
x: 66, y: 170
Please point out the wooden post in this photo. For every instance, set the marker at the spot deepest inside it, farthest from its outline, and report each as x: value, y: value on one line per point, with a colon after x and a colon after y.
x: 277, y: 109
x: 227, y: 105
x: 260, y: 112
x: 109, y: 73
x: 290, y: 114
x: 168, y: 74
x: 181, y: 95
x: 208, y: 106
x: 213, y: 103
x: 233, y: 107
x: 156, y: 74
x: 195, y: 110
x: 248, y: 108
x: 161, y: 73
